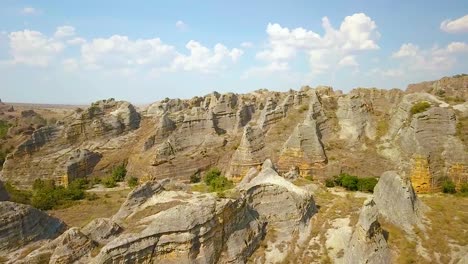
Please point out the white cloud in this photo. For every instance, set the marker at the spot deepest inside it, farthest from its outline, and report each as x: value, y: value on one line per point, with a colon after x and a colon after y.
x: 29, y: 11
x: 181, y: 25
x: 335, y: 48
x: 388, y: 72
x: 247, y: 44
x: 349, y: 60
x: 406, y: 50
x: 203, y: 59
x: 119, y: 52
x: 76, y: 41
x: 414, y: 58
x: 33, y: 48
x: 459, y: 25
x: 64, y: 32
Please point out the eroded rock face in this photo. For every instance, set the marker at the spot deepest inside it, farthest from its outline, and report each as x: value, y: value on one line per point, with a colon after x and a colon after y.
x: 101, y: 230
x: 396, y: 200
x: 71, y: 246
x: 454, y: 87
x: 250, y: 153
x: 21, y: 224
x: 81, y: 163
x: 368, y: 244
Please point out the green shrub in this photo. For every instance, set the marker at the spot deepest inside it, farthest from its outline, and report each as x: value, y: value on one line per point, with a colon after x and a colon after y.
x: 329, y: 183
x: 366, y: 184
x: 352, y: 183
x: 109, y: 182
x: 132, y: 182
x: 309, y: 178
x: 464, y: 188
x: 216, y: 182
x: 448, y: 187
x: 119, y: 173
x: 420, y: 107
x: 211, y: 174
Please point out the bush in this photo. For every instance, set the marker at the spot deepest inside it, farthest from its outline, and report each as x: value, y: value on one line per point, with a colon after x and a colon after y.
x: 16, y: 195
x: 119, y: 173
x: 329, y: 183
x: 109, y: 182
x: 352, y: 183
x: 211, y: 174
x: 132, y: 182
x: 420, y: 107
x: 217, y: 182
x: 448, y: 187
x: 464, y: 188
x: 367, y: 184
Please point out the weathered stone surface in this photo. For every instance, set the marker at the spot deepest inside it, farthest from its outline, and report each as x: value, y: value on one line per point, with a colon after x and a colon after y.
x: 355, y: 118
x: 21, y: 224
x: 81, y: 163
x: 447, y: 87
x: 101, y: 230
x: 368, y: 244
x: 396, y: 200
x: 71, y: 246
x: 303, y: 149
x: 250, y: 153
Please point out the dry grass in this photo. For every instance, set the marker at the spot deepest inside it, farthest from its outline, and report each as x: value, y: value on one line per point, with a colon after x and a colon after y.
x: 84, y: 211
x: 301, y: 181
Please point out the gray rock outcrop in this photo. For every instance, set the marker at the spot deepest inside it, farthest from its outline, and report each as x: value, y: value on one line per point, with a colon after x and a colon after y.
x: 22, y: 224
x: 397, y: 202
x: 368, y: 244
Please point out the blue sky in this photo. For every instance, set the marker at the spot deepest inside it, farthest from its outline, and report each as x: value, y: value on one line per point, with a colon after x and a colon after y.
x: 143, y: 51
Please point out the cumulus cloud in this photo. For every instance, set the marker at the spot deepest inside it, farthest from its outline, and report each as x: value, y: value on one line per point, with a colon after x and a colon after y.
x: 64, y: 32
x: 181, y: 25
x: 349, y: 60
x: 29, y: 11
x: 459, y: 25
x: 33, y: 48
x: 336, y: 47
x: 203, y: 59
x: 76, y: 41
x: 271, y: 68
x: 119, y: 51
x: 435, y: 59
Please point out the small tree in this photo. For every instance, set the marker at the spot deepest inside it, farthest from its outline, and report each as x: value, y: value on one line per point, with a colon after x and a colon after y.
x: 448, y: 187
x: 119, y: 173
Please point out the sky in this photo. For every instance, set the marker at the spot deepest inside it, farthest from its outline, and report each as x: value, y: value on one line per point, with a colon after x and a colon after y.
x: 77, y: 52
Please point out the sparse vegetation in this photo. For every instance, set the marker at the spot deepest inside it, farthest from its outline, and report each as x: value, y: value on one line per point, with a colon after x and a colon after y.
x: 132, y: 182
x: 352, y: 183
x: 382, y: 127
x: 420, y: 107
x: 119, y: 173
x: 448, y: 187
x: 45, y: 195
x: 195, y: 178
x: 4, y: 126
x: 216, y: 181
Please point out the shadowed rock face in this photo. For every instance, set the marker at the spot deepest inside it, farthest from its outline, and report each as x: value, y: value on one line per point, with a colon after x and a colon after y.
x: 21, y: 224
x: 3, y: 193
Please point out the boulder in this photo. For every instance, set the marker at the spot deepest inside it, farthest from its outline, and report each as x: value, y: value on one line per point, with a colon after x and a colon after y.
x: 22, y: 224
x: 396, y: 200
x: 368, y: 243
x: 101, y: 230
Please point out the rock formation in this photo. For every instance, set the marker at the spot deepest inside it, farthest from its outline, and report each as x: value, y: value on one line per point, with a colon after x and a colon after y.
x: 397, y: 202
x: 368, y: 244
x: 22, y: 224
x: 250, y: 153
